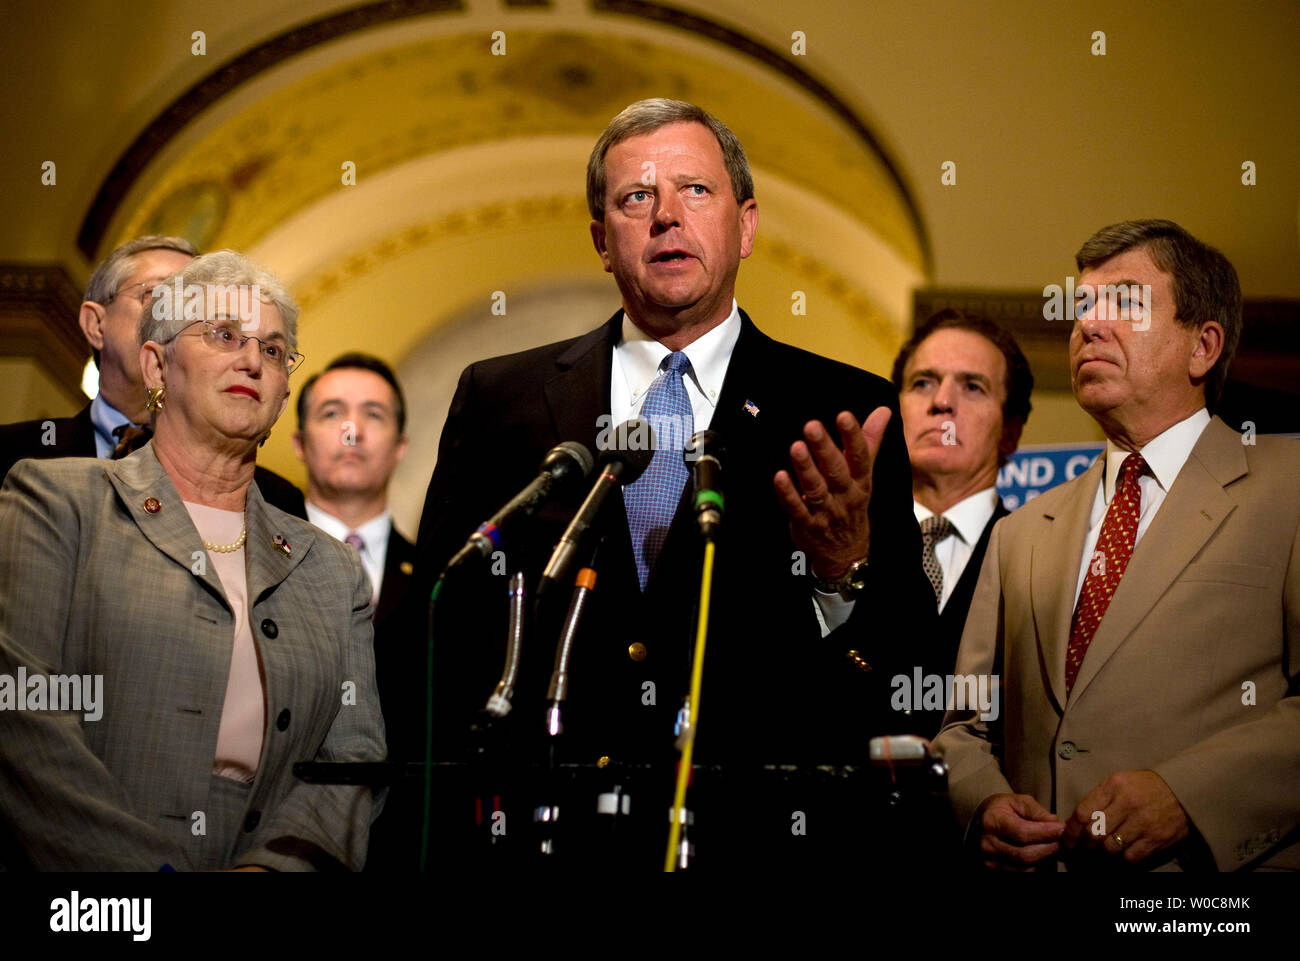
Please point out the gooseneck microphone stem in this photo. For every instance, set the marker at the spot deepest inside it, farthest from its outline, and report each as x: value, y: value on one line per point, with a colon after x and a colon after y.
x: 428, y: 729
x: 498, y: 704
x: 584, y: 585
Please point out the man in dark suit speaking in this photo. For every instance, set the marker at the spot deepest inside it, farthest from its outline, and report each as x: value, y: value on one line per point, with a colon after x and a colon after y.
x: 819, y: 548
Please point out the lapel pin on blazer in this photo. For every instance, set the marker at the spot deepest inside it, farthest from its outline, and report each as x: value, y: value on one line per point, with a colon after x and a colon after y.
x: 406, y: 567
x: 152, y: 505
x: 752, y: 408
x: 282, y: 544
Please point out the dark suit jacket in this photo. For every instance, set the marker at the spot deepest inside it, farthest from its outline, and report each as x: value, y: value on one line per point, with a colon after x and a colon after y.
x: 398, y: 567
x: 399, y: 675
x: 775, y: 690
x: 953, y: 617
x: 392, y: 641
x: 75, y: 437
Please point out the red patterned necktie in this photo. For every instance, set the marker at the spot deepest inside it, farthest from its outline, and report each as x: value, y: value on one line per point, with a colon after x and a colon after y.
x: 1109, y: 559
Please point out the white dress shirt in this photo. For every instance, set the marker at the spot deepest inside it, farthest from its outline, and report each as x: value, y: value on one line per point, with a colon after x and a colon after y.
x: 1165, y: 456
x: 637, y: 357
x: 969, y: 517
x: 373, y: 532
x: 635, y: 366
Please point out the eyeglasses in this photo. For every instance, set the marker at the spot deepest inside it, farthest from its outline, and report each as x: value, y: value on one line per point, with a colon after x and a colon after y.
x: 229, y: 339
x: 147, y: 288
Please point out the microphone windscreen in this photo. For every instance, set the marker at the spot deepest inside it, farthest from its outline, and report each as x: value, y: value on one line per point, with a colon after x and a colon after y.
x: 632, y: 445
x: 563, y: 458
x: 704, y: 443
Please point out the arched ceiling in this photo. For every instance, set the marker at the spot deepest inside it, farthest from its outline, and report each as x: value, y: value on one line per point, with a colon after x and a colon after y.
x: 464, y: 178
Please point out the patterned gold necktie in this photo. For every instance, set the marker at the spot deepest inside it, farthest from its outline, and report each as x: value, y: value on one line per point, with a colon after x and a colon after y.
x: 129, y: 439
x: 933, y: 530
x: 1107, y: 565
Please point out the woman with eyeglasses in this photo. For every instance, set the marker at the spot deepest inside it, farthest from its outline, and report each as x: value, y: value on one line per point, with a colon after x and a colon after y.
x: 190, y: 641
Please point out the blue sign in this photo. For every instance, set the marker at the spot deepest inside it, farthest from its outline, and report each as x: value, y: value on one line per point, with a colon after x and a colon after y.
x: 1034, y: 469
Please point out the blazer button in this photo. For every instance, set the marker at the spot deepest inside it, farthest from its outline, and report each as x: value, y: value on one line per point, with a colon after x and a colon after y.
x: 251, y: 822
x: 1066, y: 750
x: 636, y: 650
x: 282, y: 722
x: 269, y: 628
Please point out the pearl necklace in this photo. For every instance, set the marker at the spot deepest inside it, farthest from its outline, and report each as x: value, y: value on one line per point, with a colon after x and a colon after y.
x: 229, y: 548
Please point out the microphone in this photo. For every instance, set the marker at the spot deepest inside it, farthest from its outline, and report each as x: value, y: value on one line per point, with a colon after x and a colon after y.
x: 703, y: 455
x: 564, y: 463
x: 627, y: 455
x: 584, y: 585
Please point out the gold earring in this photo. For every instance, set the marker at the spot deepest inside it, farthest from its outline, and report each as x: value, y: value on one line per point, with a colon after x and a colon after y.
x: 265, y: 438
x: 157, y: 398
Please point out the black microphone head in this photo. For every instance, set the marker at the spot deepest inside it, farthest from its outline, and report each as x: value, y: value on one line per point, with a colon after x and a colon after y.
x: 568, y: 461
x: 704, y: 443
x: 631, y: 446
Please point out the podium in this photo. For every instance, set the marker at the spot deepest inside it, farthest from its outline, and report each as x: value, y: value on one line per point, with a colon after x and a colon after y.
x: 615, y: 817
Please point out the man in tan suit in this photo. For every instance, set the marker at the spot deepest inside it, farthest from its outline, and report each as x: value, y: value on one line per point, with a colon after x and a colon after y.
x: 1144, y: 616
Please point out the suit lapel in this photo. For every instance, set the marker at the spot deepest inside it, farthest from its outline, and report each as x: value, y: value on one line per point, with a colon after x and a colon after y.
x: 273, y: 548
x: 140, y: 480
x: 737, y: 425
x: 1054, y: 572
x: 577, y: 394
x: 398, y: 566
x: 959, y: 599
x: 1193, y: 510
x: 577, y: 397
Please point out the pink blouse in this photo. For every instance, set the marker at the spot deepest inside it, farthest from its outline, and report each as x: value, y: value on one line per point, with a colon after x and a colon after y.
x: 243, y: 716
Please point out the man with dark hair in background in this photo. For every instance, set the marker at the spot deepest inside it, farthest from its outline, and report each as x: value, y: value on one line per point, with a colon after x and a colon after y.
x: 963, y: 390
x: 115, y: 422
x: 351, y: 436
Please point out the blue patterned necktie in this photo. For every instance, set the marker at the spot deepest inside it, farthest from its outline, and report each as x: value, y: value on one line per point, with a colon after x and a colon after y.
x: 651, y: 500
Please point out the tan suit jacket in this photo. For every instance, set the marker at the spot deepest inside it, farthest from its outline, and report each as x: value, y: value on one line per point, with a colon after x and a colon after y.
x: 91, y: 582
x: 1192, y: 672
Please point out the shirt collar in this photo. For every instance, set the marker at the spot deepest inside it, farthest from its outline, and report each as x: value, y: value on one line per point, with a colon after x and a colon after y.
x: 1165, y: 454
x: 969, y: 516
x: 639, y: 355
x: 374, y: 531
x: 106, y: 419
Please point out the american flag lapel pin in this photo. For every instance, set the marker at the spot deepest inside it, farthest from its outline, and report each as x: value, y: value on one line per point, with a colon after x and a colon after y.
x: 282, y: 544
x: 752, y: 408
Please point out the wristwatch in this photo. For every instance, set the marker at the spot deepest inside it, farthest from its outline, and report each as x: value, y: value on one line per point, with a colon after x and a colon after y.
x: 848, y: 585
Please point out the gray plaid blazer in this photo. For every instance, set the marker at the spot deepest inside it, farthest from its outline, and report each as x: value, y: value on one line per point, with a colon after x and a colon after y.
x: 93, y: 583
